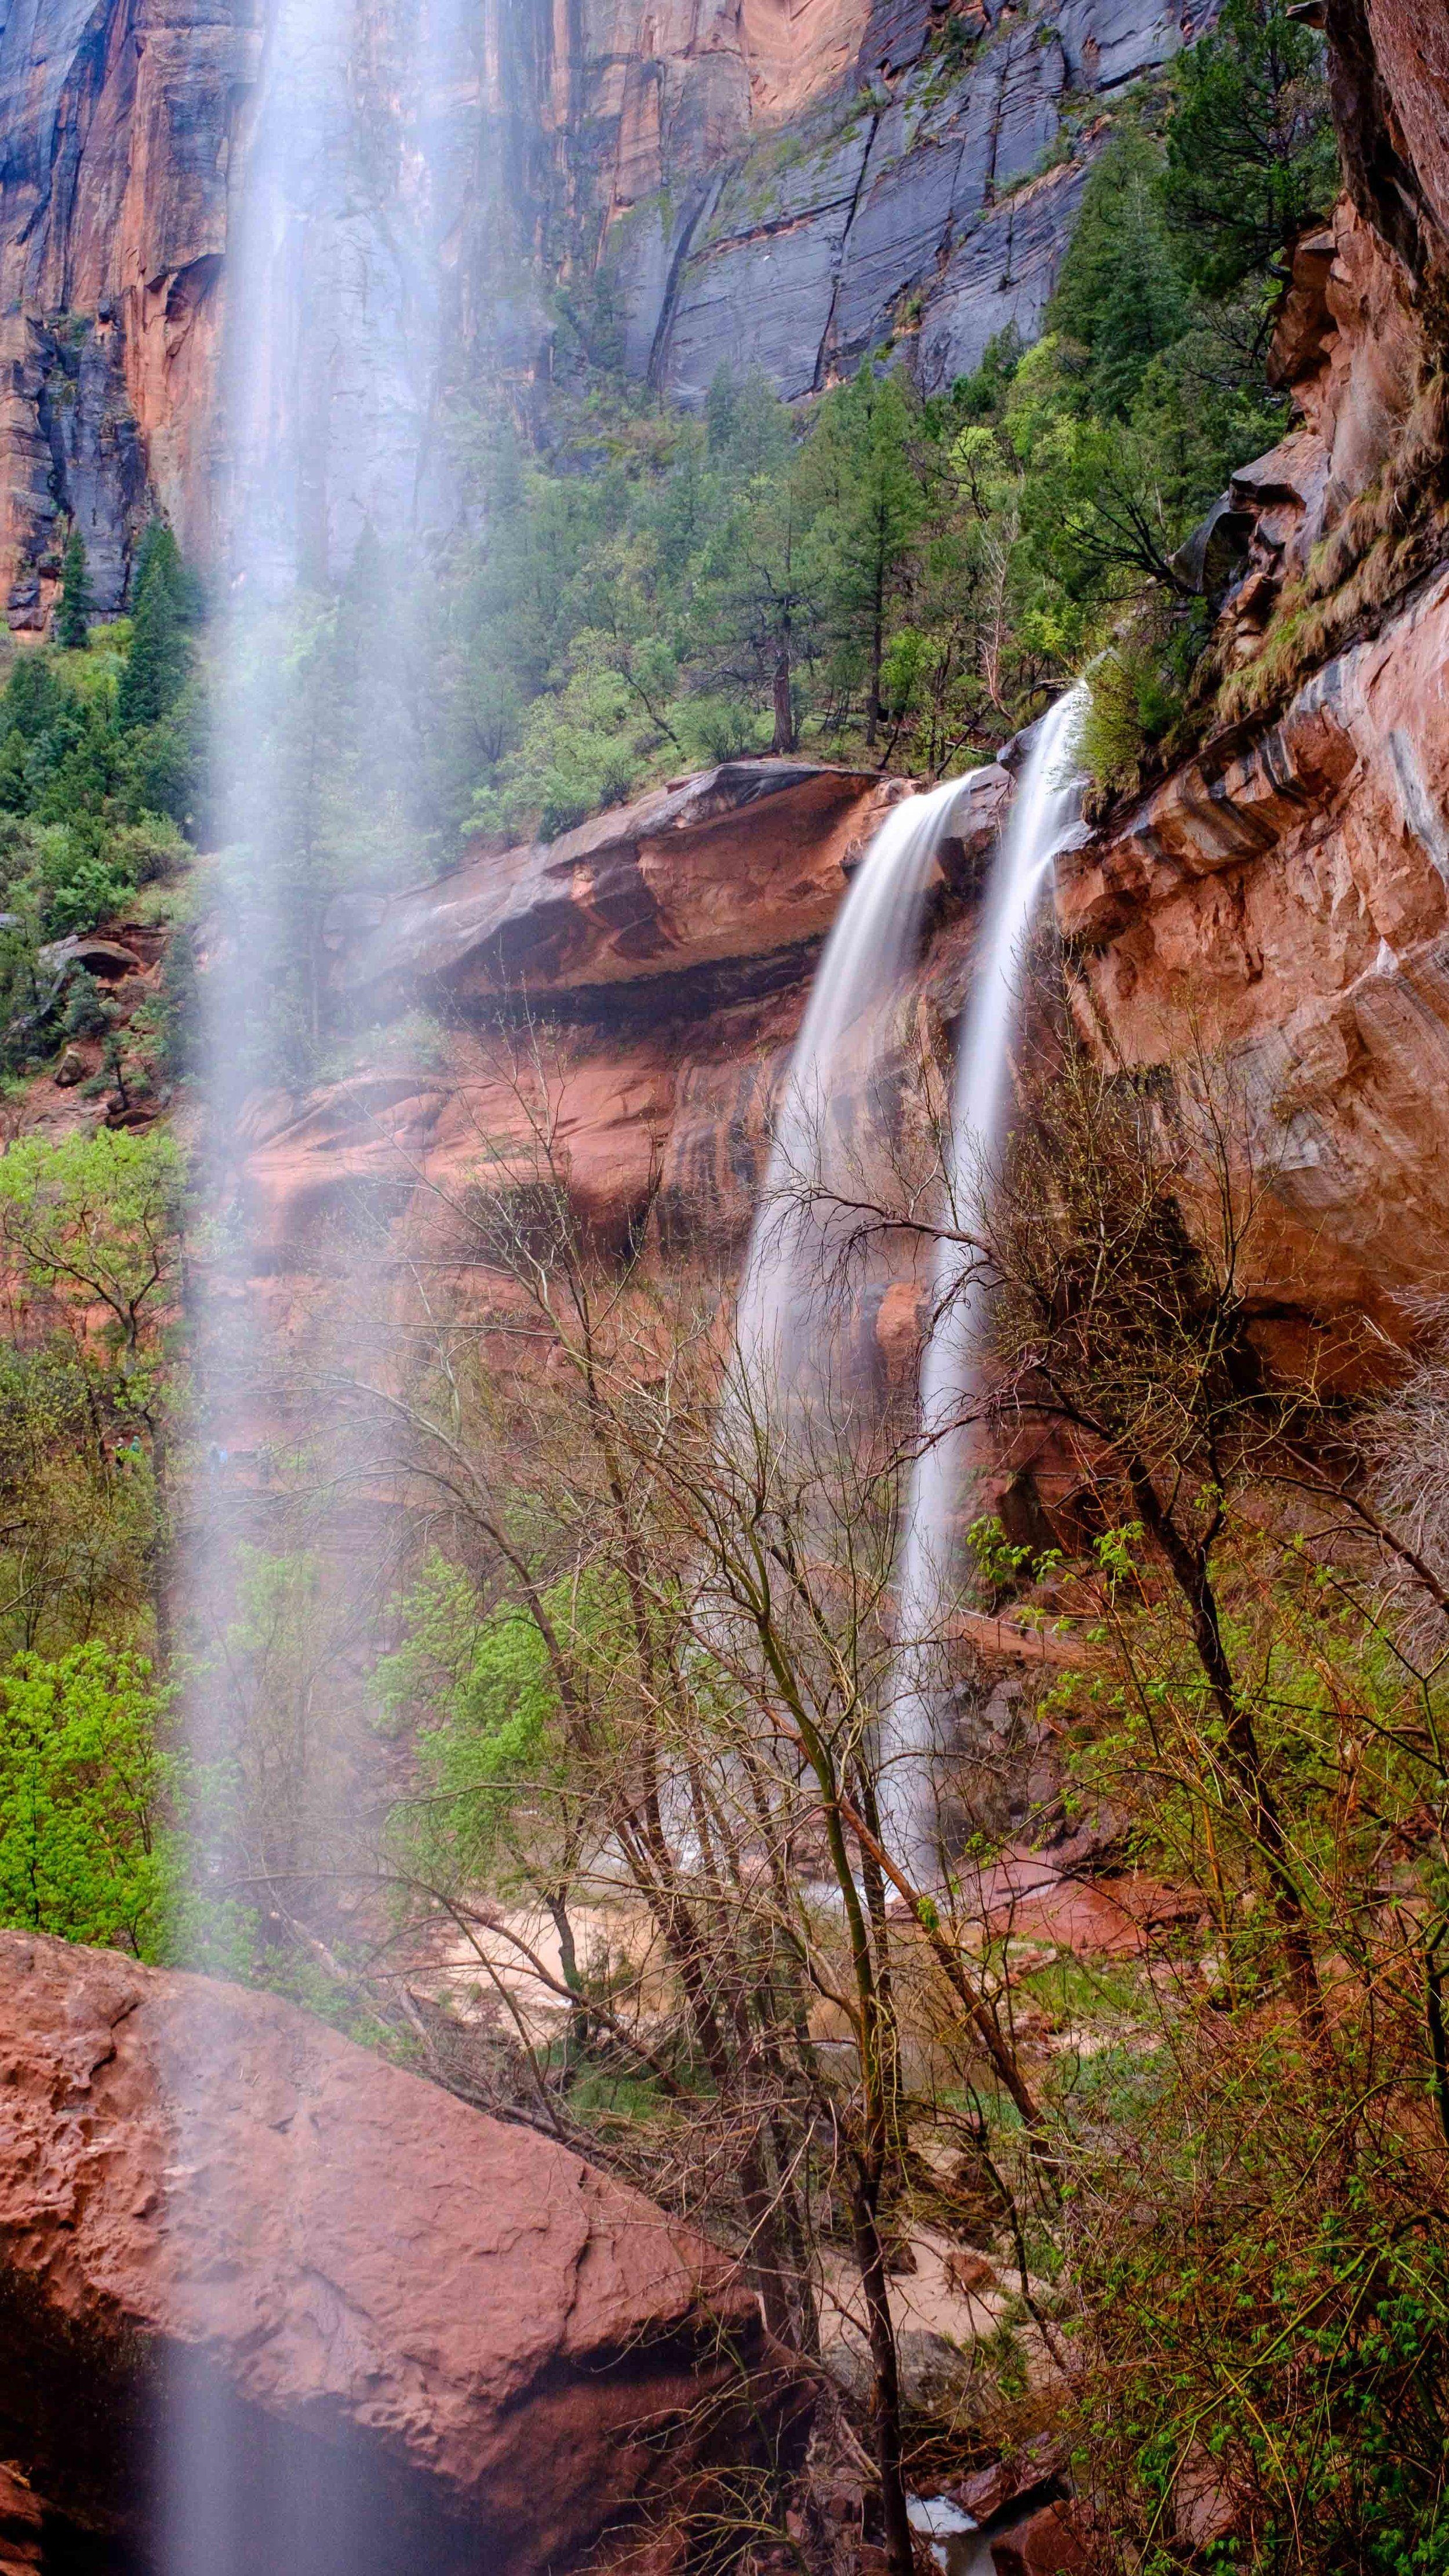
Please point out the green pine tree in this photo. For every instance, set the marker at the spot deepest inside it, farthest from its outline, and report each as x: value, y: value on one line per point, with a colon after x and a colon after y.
x: 160, y: 656
x: 73, y: 614
x: 1251, y: 157
x: 870, y: 510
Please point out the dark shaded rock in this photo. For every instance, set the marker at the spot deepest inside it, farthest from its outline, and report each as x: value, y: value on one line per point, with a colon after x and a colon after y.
x: 21, y: 2523
x: 1031, y: 2477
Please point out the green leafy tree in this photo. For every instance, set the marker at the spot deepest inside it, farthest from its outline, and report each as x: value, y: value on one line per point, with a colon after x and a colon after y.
x: 73, y: 614
x: 95, y: 1224
x: 510, y: 1806
x: 1250, y: 154
x: 86, y: 1848
x: 96, y: 1221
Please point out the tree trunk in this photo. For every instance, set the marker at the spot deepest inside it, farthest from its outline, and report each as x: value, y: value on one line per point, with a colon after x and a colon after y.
x: 784, y: 703
x: 885, y: 2373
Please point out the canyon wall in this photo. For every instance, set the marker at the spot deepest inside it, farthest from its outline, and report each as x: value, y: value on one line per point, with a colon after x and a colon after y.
x: 686, y: 187
x: 1277, y: 909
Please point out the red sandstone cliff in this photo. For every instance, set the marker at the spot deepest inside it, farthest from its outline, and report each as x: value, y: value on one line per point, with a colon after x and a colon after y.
x: 457, y: 181
x: 1281, y: 902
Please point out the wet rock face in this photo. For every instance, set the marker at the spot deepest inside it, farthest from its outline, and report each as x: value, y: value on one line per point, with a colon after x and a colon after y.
x: 772, y: 187
x: 423, y: 2338
x: 934, y: 204
x: 1282, y: 902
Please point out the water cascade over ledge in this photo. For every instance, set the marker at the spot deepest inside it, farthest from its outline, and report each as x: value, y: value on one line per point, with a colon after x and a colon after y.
x: 807, y: 1227
x: 1043, y: 812
x: 805, y: 1221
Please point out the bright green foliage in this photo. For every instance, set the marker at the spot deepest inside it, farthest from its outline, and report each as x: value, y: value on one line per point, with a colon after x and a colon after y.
x: 73, y: 614
x: 484, y: 1681
x: 85, y: 1800
x: 482, y: 1685
x: 96, y: 1221
x: 1251, y: 158
x: 509, y: 1802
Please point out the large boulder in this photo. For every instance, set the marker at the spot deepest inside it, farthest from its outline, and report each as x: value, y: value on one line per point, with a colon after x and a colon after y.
x: 315, y: 2314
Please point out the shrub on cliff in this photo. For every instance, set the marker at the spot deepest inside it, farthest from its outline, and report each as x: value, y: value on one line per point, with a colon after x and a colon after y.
x: 73, y: 613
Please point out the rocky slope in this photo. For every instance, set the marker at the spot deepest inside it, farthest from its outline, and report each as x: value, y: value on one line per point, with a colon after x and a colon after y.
x: 768, y: 187
x: 526, y: 2356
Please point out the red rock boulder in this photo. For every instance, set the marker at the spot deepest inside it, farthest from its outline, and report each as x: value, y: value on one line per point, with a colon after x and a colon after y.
x: 321, y: 2314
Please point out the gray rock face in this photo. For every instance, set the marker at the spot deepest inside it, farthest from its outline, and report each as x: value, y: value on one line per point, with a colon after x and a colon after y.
x: 937, y: 210
x: 766, y: 191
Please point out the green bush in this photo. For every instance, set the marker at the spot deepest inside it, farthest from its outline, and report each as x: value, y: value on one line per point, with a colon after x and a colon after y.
x: 86, y: 1795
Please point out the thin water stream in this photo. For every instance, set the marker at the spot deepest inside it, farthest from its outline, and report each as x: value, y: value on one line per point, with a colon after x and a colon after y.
x: 807, y: 1216
x: 1043, y: 813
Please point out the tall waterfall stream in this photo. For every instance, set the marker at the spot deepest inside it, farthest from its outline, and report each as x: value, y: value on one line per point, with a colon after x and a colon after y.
x: 802, y: 1235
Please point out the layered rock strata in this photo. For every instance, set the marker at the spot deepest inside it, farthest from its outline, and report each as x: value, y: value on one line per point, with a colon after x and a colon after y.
x: 1276, y: 909
x: 651, y: 968
x: 753, y: 186
x: 419, y: 2337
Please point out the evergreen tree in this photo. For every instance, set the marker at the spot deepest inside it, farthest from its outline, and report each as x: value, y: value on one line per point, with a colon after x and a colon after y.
x: 73, y: 614
x: 871, y: 509
x: 1251, y: 157
x: 1121, y: 299
x: 156, y: 672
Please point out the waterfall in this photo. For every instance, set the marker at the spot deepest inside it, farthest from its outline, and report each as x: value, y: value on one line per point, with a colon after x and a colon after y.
x: 1043, y: 812
x: 354, y: 175
x: 804, y: 1225
x: 818, y: 1176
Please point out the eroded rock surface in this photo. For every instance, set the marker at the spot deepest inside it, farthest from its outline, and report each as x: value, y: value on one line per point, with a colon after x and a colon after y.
x: 1281, y: 902
x: 1279, y: 905
x: 422, y: 2337
x: 762, y: 186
